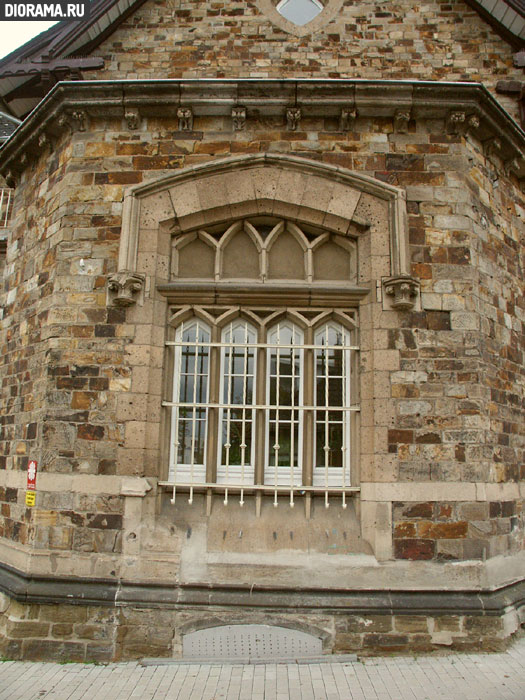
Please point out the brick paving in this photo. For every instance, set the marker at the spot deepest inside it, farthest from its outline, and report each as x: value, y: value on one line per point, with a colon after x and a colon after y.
x: 450, y: 677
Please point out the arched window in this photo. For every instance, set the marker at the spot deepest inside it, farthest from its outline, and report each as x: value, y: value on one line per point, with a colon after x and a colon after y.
x: 331, y: 397
x: 284, y: 396
x: 236, y: 417
x: 264, y: 405
x: 264, y: 394
x: 190, y: 398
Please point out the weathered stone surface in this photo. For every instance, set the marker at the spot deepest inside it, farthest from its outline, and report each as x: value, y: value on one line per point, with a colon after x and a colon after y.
x: 441, y: 384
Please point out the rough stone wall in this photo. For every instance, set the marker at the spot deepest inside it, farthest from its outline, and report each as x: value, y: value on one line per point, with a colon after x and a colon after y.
x: 198, y: 39
x: 72, y: 402
x: 100, y: 634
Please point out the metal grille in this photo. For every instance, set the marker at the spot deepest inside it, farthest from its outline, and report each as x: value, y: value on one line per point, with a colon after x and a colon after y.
x: 5, y: 206
x: 260, y: 422
x: 265, y: 642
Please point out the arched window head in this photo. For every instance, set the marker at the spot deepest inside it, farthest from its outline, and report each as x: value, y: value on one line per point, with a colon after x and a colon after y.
x: 300, y: 12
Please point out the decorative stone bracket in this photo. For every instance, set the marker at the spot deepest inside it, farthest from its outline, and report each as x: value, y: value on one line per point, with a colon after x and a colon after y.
x: 185, y: 117
x: 293, y: 117
x: 124, y: 288
x: 238, y: 118
x: 400, y: 293
x: 134, y: 486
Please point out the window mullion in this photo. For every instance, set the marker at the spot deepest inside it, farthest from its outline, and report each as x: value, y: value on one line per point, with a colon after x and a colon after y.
x: 244, y: 387
x: 214, y: 383
x: 227, y: 444
x: 327, y: 403
x: 308, y: 380
x: 276, y: 446
x: 175, y: 442
x: 262, y: 382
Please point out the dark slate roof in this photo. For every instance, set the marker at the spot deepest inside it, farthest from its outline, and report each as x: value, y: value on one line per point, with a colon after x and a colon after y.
x: 62, y: 52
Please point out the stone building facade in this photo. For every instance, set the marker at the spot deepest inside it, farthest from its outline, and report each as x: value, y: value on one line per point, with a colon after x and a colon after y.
x: 263, y: 333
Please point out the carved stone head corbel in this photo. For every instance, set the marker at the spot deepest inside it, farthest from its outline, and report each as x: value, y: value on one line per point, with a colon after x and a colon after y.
x: 124, y: 288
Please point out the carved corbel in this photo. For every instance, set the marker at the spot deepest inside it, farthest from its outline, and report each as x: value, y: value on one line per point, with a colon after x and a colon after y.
x: 402, y: 291
x: 64, y: 122
x: 43, y: 142
x: 473, y: 123
x: 456, y: 123
x: 239, y: 118
x: 515, y: 166
x: 293, y: 117
x: 132, y: 117
x: 124, y: 288
x: 492, y: 147
x: 185, y: 117
x: 401, y: 119
x: 347, y: 119
x: 79, y: 120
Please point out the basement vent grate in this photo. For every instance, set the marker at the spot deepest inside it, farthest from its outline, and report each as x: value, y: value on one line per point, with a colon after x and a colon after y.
x: 265, y: 642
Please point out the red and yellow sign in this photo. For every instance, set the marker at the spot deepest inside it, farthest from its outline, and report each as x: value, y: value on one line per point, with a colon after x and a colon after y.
x: 31, y: 483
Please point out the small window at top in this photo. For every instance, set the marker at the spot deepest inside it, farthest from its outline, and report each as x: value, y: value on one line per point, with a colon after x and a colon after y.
x: 299, y: 11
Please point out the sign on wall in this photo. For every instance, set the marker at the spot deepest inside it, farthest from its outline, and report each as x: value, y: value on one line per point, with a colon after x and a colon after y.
x: 31, y: 483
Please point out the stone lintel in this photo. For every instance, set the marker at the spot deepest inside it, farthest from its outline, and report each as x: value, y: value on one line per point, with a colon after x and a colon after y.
x: 255, y: 293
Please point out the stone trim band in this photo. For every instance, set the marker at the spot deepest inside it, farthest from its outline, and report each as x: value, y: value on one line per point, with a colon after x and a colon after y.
x: 81, y: 591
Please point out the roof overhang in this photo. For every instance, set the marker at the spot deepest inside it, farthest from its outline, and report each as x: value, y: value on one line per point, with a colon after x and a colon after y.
x: 62, y: 52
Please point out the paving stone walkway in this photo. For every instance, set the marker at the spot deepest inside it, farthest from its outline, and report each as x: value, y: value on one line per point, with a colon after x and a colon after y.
x: 451, y: 677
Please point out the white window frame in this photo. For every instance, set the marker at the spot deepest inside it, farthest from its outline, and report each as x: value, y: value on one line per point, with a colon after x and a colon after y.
x: 324, y: 475
x: 281, y: 475
x: 302, y: 477
x: 234, y: 473
x: 193, y: 472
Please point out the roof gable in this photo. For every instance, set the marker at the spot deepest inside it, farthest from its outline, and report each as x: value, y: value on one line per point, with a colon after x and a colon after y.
x: 60, y: 53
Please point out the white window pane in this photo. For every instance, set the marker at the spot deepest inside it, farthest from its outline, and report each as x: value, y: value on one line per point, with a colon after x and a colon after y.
x: 284, y: 391
x: 332, y: 390
x: 238, y: 366
x: 190, y: 386
x: 299, y: 11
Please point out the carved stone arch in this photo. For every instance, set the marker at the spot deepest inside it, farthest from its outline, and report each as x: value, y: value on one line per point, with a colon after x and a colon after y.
x: 189, y: 312
x: 246, y: 253
x: 334, y: 317
x: 283, y: 259
x: 285, y: 314
x: 277, y: 185
x: 197, y: 264
x: 331, y: 267
x: 235, y: 314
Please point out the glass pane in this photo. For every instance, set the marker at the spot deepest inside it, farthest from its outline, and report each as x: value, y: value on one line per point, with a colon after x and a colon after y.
x: 283, y: 438
x: 331, y: 390
x: 237, y: 387
x: 284, y: 388
x: 191, y: 432
x: 232, y: 435
x: 191, y: 387
x: 299, y: 11
x: 335, y: 443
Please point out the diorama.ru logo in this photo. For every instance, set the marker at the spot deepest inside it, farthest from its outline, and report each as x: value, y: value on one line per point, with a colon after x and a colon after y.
x: 44, y: 10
